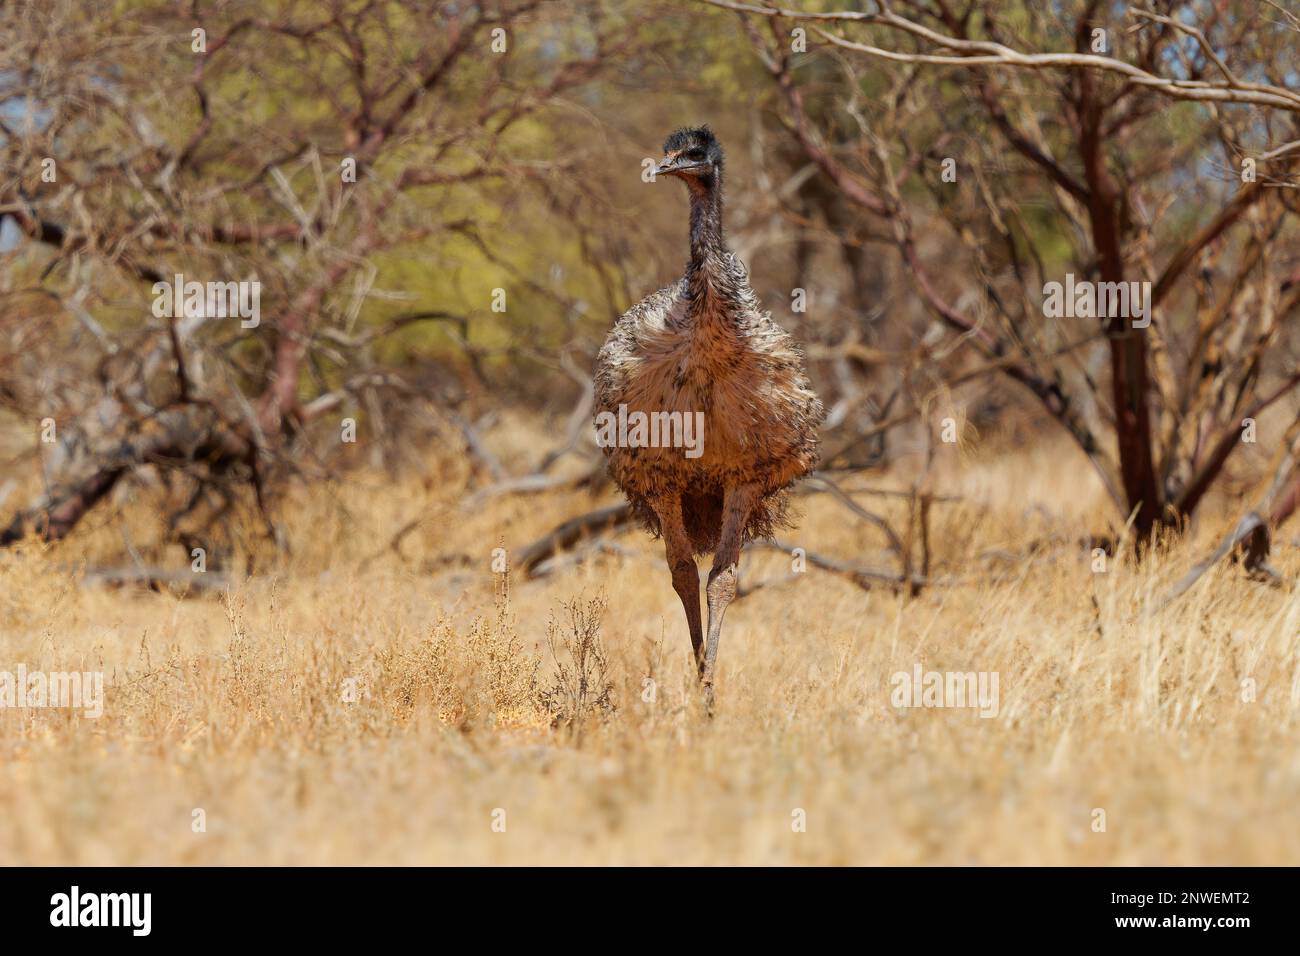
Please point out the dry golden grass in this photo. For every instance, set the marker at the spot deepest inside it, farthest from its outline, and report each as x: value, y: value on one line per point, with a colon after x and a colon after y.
x: 235, y: 703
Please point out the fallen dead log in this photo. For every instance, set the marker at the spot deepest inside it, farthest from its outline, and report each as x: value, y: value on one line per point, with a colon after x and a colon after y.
x: 570, y: 533
x: 534, y: 484
x: 157, y: 579
x: 580, y: 554
x: 1250, y: 540
x: 186, y: 434
x: 867, y: 578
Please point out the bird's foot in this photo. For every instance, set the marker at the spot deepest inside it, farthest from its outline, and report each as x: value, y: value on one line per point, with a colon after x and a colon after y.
x: 706, y: 692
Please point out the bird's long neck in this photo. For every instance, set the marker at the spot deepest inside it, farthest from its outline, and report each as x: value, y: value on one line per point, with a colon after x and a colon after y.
x: 708, y: 282
x: 706, y: 225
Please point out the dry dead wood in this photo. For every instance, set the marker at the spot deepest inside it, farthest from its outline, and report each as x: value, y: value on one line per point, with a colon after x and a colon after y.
x: 158, y: 579
x: 864, y: 577
x: 585, y: 526
x: 534, y: 483
x: 603, y: 521
x: 1250, y: 539
x: 182, y: 434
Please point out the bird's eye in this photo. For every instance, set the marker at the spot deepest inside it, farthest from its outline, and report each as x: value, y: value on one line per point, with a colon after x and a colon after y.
x: 695, y: 154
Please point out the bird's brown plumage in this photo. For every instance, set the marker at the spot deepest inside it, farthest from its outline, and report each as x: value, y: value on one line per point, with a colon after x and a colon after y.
x: 704, y: 345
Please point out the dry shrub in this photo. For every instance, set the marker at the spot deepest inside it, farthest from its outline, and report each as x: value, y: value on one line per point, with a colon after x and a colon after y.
x: 32, y: 592
x: 581, y: 689
x: 484, y: 676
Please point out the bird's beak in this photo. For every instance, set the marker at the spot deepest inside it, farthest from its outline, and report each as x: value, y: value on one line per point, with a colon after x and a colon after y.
x: 678, y: 166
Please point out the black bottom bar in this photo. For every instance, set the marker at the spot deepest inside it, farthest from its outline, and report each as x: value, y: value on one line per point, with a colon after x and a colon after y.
x: 337, y: 906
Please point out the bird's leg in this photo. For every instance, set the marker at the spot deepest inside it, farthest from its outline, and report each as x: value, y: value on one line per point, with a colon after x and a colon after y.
x: 737, y: 504
x: 681, y: 562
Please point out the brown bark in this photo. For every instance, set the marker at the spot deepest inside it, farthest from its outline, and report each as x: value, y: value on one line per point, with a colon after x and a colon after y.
x: 1128, y: 348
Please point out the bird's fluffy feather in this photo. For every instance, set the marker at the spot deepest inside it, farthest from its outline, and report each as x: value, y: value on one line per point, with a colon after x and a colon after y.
x: 709, y: 348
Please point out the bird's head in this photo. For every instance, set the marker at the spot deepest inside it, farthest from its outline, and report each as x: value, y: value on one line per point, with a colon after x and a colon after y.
x: 694, y: 155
